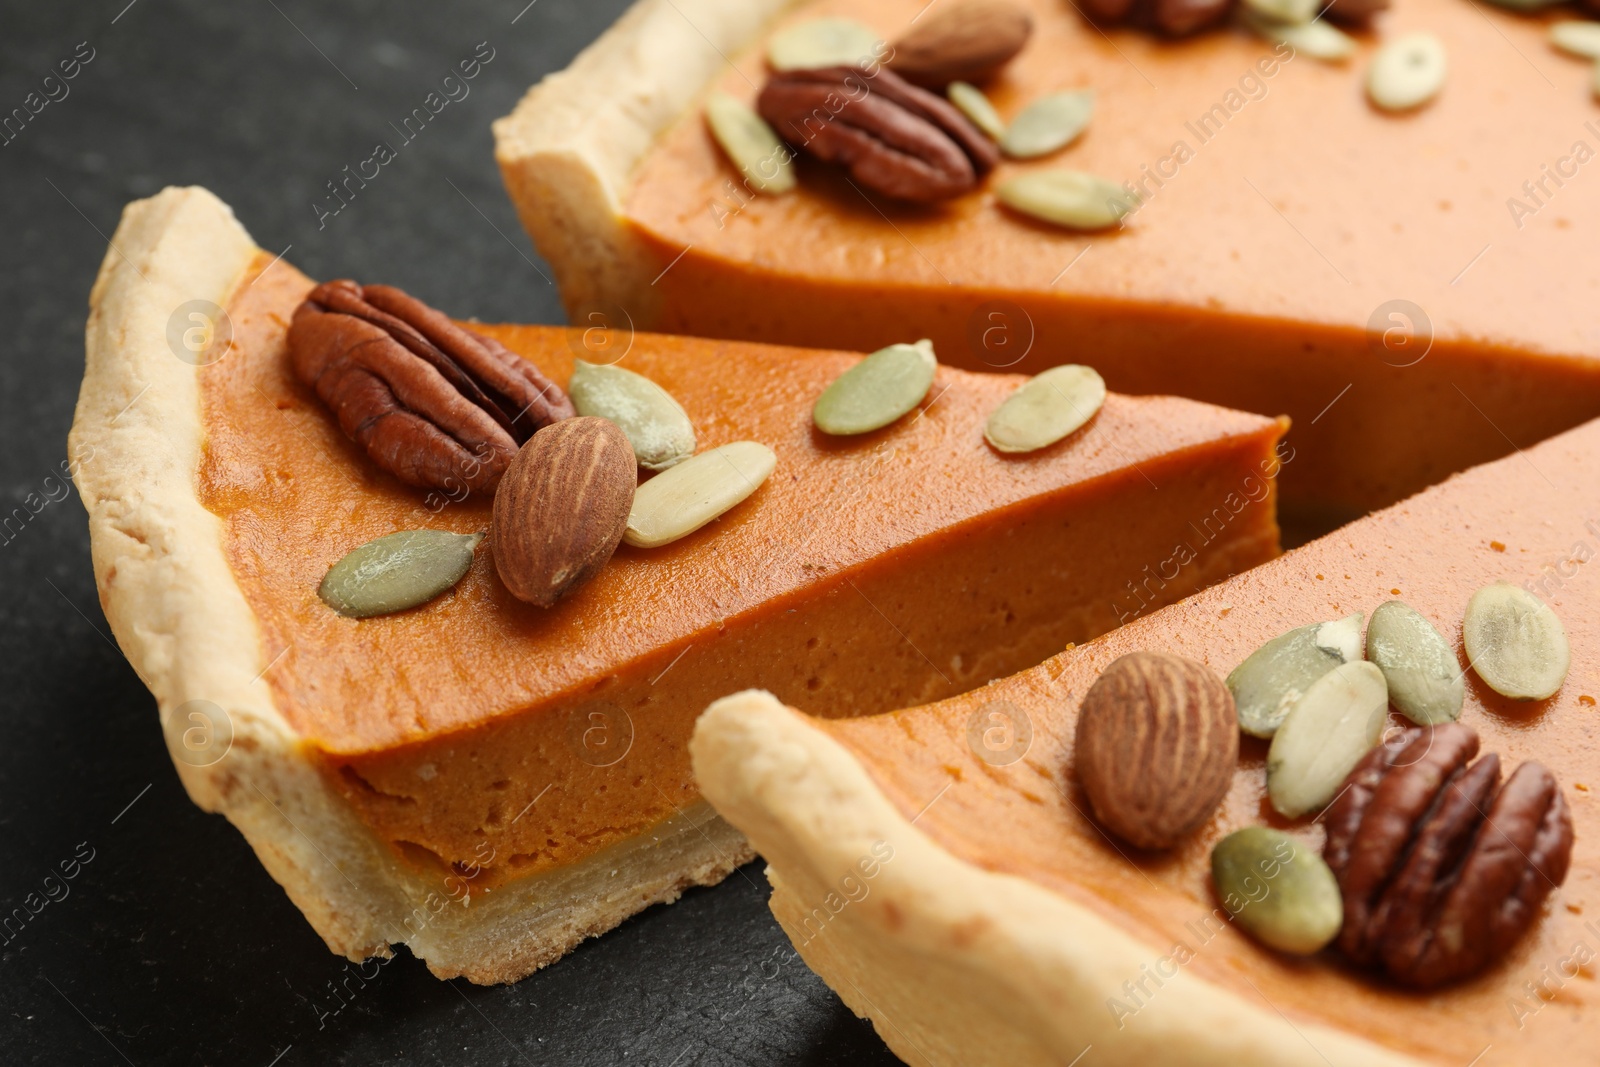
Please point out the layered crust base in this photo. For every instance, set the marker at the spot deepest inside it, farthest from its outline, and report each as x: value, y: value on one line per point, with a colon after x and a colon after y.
x: 952, y: 963
x: 183, y: 622
x: 568, y: 151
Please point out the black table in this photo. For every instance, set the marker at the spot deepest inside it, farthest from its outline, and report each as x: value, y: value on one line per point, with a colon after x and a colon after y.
x: 171, y: 944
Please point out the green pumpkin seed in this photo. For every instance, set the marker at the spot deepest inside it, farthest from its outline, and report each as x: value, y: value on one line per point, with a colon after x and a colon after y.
x: 1317, y: 38
x: 970, y: 101
x: 1579, y: 37
x: 876, y: 391
x: 1407, y: 72
x: 1268, y: 684
x: 1284, y: 12
x: 823, y: 43
x: 1515, y: 643
x: 1339, y: 720
x: 1068, y: 198
x: 1278, y: 889
x: 657, y: 426
x: 750, y: 144
x: 397, y: 571
x: 679, y: 501
x: 1424, y: 679
x: 1049, y: 123
x: 1046, y: 408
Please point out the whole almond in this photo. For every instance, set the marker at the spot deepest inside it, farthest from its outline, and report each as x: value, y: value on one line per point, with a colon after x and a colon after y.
x: 562, y: 507
x: 963, y: 40
x: 1157, y: 743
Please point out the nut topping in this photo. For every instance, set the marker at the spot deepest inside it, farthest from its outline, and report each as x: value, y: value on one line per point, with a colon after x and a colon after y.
x: 562, y: 507
x: 966, y: 40
x: 893, y: 137
x: 436, y: 405
x: 1157, y: 742
x: 1441, y: 868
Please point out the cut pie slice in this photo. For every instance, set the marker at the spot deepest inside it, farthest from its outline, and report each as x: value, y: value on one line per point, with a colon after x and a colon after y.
x: 534, y: 762
x: 956, y: 892
x: 1403, y: 287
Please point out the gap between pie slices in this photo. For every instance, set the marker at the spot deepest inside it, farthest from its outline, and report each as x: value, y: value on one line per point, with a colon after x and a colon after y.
x: 1004, y: 885
x: 1265, y: 276
x: 389, y: 770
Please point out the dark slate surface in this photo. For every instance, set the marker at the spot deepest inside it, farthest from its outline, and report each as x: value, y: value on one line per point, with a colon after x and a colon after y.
x: 171, y: 944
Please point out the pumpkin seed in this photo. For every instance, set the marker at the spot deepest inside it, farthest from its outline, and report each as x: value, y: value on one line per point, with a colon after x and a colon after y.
x: 970, y: 101
x: 1317, y: 38
x: 750, y: 144
x: 1049, y: 123
x: 1515, y: 643
x: 1268, y: 684
x: 876, y: 391
x: 1579, y: 37
x: 679, y: 501
x: 1407, y: 72
x: 1424, y: 679
x: 1278, y: 889
x: 823, y: 43
x: 1290, y: 12
x: 1046, y: 408
x: 657, y: 426
x: 1068, y: 198
x: 397, y: 571
x: 1339, y: 720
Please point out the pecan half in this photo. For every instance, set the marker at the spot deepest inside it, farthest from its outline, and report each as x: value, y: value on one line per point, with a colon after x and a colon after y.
x: 1355, y: 12
x: 436, y: 405
x: 1441, y: 868
x: 893, y: 137
x: 1174, y: 18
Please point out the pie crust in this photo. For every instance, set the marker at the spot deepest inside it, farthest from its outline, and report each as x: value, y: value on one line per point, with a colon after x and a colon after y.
x: 964, y: 965
x: 183, y: 622
x: 568, y: 163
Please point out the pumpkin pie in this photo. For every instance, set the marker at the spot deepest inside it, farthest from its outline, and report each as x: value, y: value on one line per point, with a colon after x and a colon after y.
x: 971, y: 908
x: 1406, y: 287
x: 533, y: 762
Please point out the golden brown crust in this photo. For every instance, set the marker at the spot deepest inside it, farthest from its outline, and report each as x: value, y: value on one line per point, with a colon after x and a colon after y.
x: 184, y: 624
x: 954, y: 964
x: 569, y: 149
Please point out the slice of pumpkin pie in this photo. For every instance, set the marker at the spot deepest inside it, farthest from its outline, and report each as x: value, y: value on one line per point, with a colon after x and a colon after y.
x: 954, y: 875
x: 269, y: 464
x: 1402, y: 284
